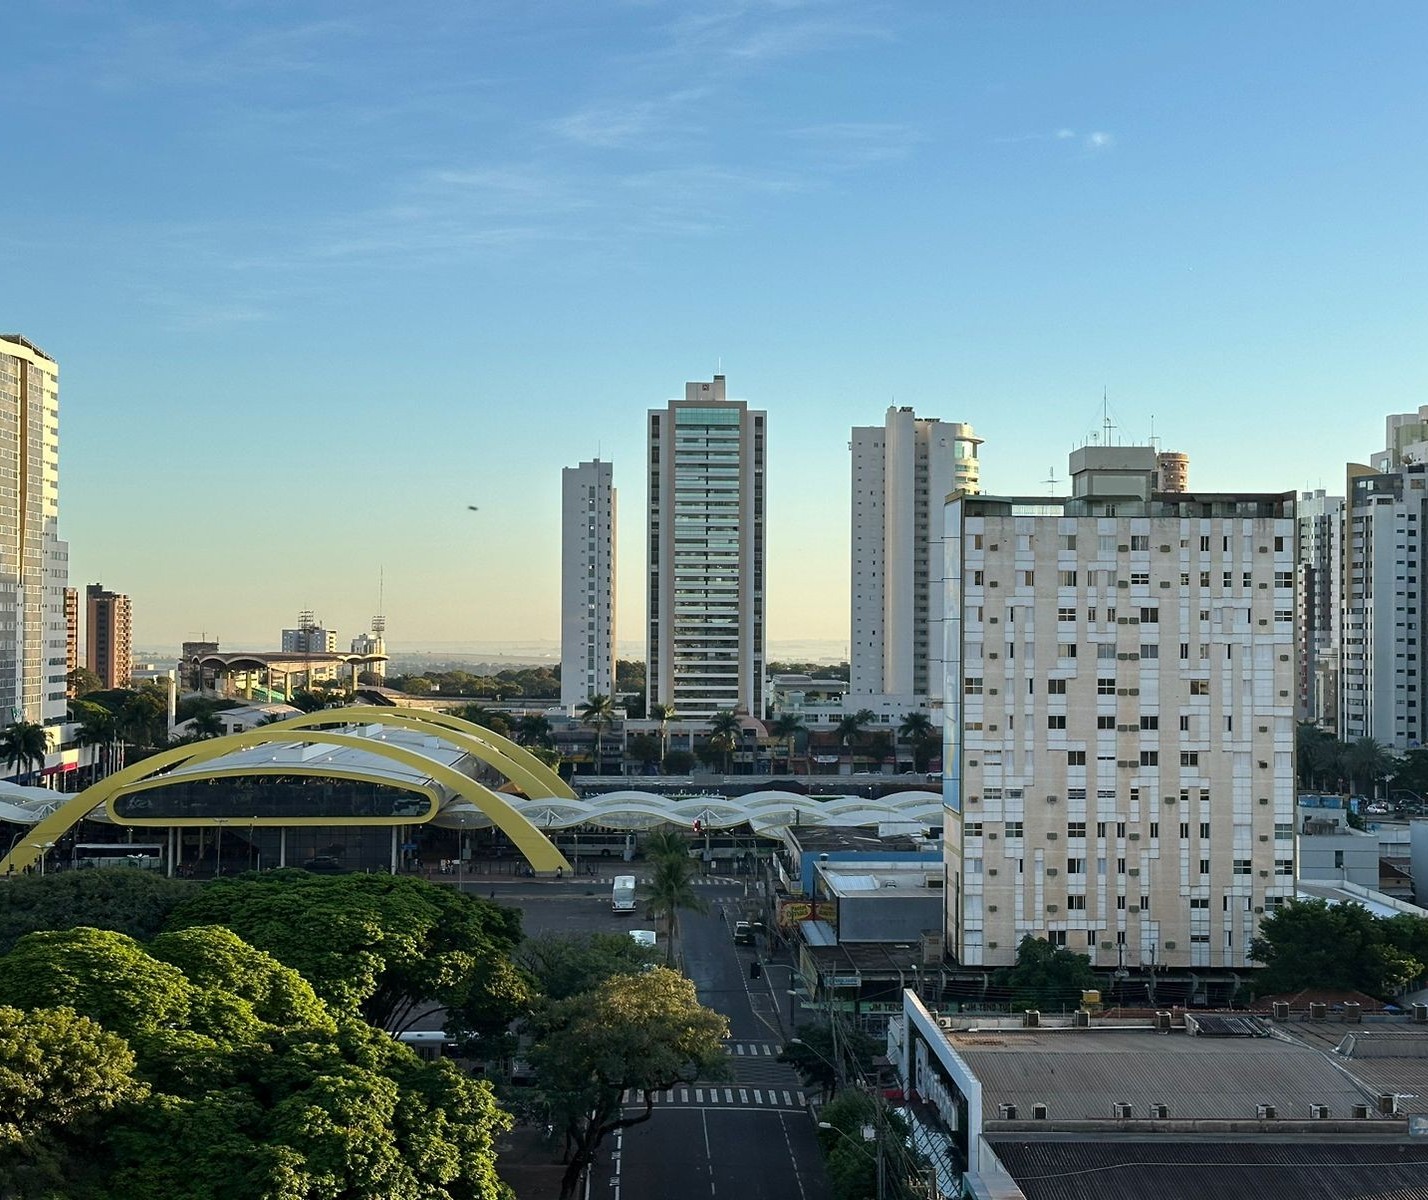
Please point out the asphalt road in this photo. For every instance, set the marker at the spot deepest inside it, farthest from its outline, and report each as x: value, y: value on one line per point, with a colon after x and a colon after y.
x: 745, y: 1137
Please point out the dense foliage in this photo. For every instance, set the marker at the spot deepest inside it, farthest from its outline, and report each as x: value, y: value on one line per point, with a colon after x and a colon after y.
x: 1315, y: 944
x: 220, y: 1074
x: 125, y: 900
x: 1046, y: 976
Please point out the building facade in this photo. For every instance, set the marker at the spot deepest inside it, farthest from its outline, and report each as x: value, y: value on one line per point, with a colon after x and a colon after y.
x: 1319, y: 531
x: 706, y: 553
x: 109, y: 637
x: 903, y: 472
x: 71, y: 631
x: 309, y: 637
x: 1119, y: 771
x: 374, y: 643
x: 1382, y: 659
x: 587, y: 582
x: 34, y: 568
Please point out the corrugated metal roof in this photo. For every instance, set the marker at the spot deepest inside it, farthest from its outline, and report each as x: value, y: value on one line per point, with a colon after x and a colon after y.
x: 1171, y: 1169
x: 1080, y: 1074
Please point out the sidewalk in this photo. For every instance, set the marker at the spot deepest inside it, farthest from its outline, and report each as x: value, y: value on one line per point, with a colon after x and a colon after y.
x: 530, y: 1163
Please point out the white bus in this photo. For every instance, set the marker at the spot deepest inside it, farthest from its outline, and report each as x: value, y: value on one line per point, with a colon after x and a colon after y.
x: 622, y: 898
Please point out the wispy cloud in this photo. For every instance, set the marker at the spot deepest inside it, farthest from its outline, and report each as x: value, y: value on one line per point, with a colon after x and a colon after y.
x: 1097, y: 141
x: 846, y: 145
x: 626, y: 122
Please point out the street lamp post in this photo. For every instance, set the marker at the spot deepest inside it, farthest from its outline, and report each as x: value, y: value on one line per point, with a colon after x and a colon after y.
x: 869, y: 1135
x: 220, y: 822
x: 44, y: 848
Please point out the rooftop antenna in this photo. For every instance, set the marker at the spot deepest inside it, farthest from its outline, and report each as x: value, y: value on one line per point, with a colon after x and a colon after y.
x: 1106, y: 414
x: 1050, y: 482
x: 379, y: 622
x: 1152, y: 432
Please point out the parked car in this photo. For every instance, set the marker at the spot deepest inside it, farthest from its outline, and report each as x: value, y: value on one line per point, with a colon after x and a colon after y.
x: 743, y: 933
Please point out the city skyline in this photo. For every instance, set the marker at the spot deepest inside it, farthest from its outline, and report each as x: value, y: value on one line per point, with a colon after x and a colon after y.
x: 370, y: 261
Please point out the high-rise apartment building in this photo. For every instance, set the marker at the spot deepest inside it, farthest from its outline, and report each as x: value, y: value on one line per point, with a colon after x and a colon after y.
x: 1120, y: 718
x: 34, y: 567
x: 706, y: 553
x: 71, y: 632
x: 1172, y: 471
x: 1382, y: 661
x: 109, y: 638
x: 903, y: 472
x: 310, y: 637
x: 587, y: 582
x: 1319, y: 526
x: 374, y: 642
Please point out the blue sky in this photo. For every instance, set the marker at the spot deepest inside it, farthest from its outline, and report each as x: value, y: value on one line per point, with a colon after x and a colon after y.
x: 320, y: 275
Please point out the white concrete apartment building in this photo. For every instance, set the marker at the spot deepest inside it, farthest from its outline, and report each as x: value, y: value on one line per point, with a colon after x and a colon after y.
x: 706, y: 553
x: 1120, y: 718
x: 34, y: 563
x: 1381, y: 664
x: 903, y: 472
x: 310, y: 637
x: 587, y: 582
x: 1319, y: 526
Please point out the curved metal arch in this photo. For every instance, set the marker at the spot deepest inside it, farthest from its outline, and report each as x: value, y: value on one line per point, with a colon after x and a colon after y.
x: 531, y: 842
x: 541, y: 779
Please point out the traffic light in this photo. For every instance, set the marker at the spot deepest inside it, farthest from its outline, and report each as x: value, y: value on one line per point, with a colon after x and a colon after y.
x: 756, y: 969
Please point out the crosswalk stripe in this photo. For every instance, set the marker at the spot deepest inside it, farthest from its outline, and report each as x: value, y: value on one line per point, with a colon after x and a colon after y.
x: 758, y: 1097
x: 684, y: 1095
x: 802, y: 1102
x: 743, y: 1096
x: 699, y: 1095
x: 728, y: 1096
x: 740, y: 1048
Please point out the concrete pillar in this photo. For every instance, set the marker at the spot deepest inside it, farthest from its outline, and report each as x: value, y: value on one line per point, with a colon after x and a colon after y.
x: 283, y: 846
x: 394, y: 849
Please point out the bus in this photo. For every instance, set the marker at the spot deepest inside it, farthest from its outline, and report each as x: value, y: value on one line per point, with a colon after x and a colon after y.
x: 622, y: 897
x: 144, y: 856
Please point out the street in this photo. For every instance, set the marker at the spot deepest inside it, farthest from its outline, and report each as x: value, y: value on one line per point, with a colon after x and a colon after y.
x: 749, y: 1136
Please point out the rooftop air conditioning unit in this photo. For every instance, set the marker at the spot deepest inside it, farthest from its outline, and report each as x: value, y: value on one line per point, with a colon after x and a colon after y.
x: 1388, y: 1104
x: 1162, y: 1022
x: 1031, y: 1018
x: 1320, y: 1112
x: 1360, y: 1112
x: 1038, y: 1112
x: 1420, y: 1014
x: 1266, y: 1112
x: 1160, y: 1112
x: 1007, y: 1111
x: 1121, y: 1110
x: 1081, y: 1018
x: 1353, y: 1012
x: 1318, y: 1012
x: 1281, y: 1010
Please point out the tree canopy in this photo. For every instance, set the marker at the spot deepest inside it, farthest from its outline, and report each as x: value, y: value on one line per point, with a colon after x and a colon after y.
x: 223, y: 1075
x: 122, y: 899
x: 644, y: 1033
x: 1046, y: 976
x: 1315, y: 944
x: 378, y: 946
x: 565, y: 965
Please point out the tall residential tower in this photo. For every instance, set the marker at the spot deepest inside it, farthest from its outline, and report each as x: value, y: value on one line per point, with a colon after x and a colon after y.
x: 109, y: 639
x: 1120, y: 719
x: 587, y: 583
x: 34, y: 565
x: 706, y: 553
x: 903, y: 472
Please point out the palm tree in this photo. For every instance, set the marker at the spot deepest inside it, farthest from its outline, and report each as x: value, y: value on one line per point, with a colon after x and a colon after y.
x: 24, y: 745
x: 725, y: 730
x: 1367, y: 761
x: 788, y: 726
x: 535, y: 730
x: 666, y: 843
x: 853, y: 726
x: 670, y: 892
x: 487, y: 718
x: 918, y: 732
x: 599, y: 713
x: 207, y: 725
x: 664, y: 714
x: 96, y: 728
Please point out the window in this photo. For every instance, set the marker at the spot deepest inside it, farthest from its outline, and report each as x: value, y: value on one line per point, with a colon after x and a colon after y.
x: 1106, y: 722
x: 1139, y: 541
x: 1105, y: 687
x: 1283, y: 579
x: 1204, y: 545
x: 1140, y: 579
x: 1068, y: 541
x: 1145, y: 904
x: 1066, y: 578
x: 1204, y: 866
x: 1120, y: 866
x: 1056, y: 721
x: 1066, y: 650
x: 1199, y: 687
x: 1075, y: 758
x: 1076, y: 829
x: 1150, y: 616
x: 973, y: 685
x: 1014, y: 829
x: 1199, y: 902
x: 1149, y: 650
x: 1121, y: 905
x: 1189, y: 758
x: 1184, y: 651
x: 972, y: 829
x: 1066, y: 614
x: 1106, y: 652
x: 1150, y: 758
x: 1205, y: 830
x: 1155, y: 829
x: 1285, y: 866
x: 1055, y: 687
x: 1184, y: 723
x: 1076, y: 903
x: 1283, y: 831
x: 1243, y: 866
x: 1100, y: 829
x: 1075, y: 866
x: 1150, y: 721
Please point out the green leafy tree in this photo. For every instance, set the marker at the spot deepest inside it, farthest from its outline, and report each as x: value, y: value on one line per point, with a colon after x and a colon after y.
x: 598, y: 713
x: 678, y: 762
x: 1411, y: 774
x: 921, y: 737
x: 417, y: 685
x: 143, y: 718
x: 1367, y: 762
x: 81, y: 681
x: 207, y: 725
x: 666, y: 843
x: 669, y: 892
x: 852, y: 1156
x: 643, y: 749
x: 137, y: 903
x: 487, y: 718
x: 642, y: 1033
x: 1315, y: 944
x: 534, y: 730
x: 787, y: 727
x: 566, y: 964
x: 23, y: 746
x: 1046, y: 976
x: 380, y: 946
x: 852, y: 729
x: 820, y: 1059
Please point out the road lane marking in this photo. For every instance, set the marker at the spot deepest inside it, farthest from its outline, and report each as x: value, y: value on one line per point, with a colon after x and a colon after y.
x: 708, y: 1154
x: 792, y: 1160
x: 758, y: 1097
x: 743, y: 1096
x: 728, y: 1096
